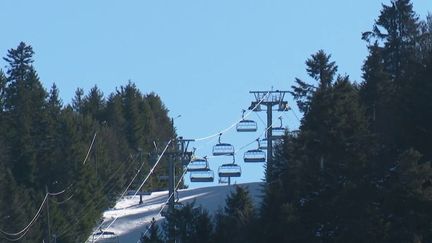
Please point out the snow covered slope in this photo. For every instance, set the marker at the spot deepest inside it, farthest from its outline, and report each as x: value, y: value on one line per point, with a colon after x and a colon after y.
x: 131, y: 219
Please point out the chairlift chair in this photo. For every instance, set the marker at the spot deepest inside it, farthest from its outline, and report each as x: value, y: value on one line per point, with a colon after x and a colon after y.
x: 263, y: 143
x: 223, y: 148
x: 229, y: 170
x: 278, y: 132
x: 198, y: 164
x: 202, y: 176
x: 254, y: 156
x: 246, y: 125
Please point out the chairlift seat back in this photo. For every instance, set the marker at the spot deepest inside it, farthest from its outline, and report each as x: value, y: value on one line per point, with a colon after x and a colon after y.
x: 254, y: 156
x: 223, y: 149
x: 278, y: 132
x: 229, y: 170
x: 202, y: 176
x: 198, y: 165
x: 247, y: 126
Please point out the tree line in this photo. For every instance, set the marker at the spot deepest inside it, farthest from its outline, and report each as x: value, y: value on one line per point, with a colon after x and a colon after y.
x: 359, y: 169
x: 44, y: 147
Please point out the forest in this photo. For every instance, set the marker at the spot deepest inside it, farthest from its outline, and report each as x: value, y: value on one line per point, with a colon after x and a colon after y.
x: 72, y: 159
x: 358, y: 170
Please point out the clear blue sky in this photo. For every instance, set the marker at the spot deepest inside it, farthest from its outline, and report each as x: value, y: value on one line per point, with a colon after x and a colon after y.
x: 201, y: 57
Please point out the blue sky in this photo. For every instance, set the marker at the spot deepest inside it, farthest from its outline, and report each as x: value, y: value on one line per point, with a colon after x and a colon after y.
x: 201, y: 57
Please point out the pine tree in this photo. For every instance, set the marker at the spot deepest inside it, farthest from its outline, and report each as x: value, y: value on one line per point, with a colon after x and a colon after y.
x: 25, y: 102
x: 398, y: 27
x: 153, y: 236
x: 237, y: 221
x: 93, y: 104
x: 322, y: 70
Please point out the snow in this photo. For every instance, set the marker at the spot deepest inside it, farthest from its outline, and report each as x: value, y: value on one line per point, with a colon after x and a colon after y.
x: 131, y: 218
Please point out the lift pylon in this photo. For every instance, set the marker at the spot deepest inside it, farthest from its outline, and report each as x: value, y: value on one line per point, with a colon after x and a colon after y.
x: 269, y: 100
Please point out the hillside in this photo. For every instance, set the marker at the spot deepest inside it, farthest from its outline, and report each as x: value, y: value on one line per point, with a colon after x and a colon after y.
x: 132, y: 218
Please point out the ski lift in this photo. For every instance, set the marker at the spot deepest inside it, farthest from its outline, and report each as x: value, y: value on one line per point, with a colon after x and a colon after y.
x: 223, y: 148
x: 198, y: 164
x: 254, y: 156
x: 262, y: 144
x: 278, y: 132
x: 105, y: 237
x: 229, y: 170
x: 202, y: 176
x: 246, y: 125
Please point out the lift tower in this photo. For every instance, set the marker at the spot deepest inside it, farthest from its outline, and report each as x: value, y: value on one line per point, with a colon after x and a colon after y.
x: 269, y: 99
x: 177, y: 153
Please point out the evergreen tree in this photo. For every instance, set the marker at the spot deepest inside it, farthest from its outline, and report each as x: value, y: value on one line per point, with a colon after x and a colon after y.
x: 398, y: 27
x: 238, y: 219
x: 320, y: 68
x: 25, y: 102
x: 77, y: 101
x: 94, y: 104
x: 153, y: 236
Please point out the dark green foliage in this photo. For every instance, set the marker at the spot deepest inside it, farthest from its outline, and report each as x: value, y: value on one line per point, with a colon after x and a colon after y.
x: 153, y: 235
x: 43, y: 144
x: 360, y: 168
x: 189, y: 224
x: 322, y: 70
x: 237, y: 222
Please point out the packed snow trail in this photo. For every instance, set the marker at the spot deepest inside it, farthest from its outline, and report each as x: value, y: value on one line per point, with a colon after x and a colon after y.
x: 133, y: 218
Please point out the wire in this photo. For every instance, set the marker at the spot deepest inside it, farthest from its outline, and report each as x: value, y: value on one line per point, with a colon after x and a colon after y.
x: 139, y: 188
x: 295, y: 115
x: 91, y: 146
x: 260, y: 118
x: 19, y: 238
x: 133, y: 179
x: 83, y: 212
x: 171, y: 195
x: 31, y: 222
x: 234, y: 124
x: 64, y: 201
x: 56, y: 193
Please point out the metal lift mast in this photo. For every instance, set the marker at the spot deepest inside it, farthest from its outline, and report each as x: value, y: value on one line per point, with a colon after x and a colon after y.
x: 178, y: 153
x: 269, y: 99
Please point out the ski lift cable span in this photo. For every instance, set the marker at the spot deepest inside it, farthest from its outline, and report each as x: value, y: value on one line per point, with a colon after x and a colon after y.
x: 90, y: 148
x: 83, y: 212
x: 234, y: 124
x: 24, y: 231
x: 142, y: 184
x: 246, y: 145
x: 171, y: 195
x: 31, y: 222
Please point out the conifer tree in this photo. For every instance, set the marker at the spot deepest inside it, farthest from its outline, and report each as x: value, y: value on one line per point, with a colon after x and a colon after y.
x: 153, y: 236
x: 322, y: 70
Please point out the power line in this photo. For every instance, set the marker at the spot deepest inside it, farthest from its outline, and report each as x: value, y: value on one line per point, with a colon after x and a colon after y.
x: 234, y: 124
x: 82, y: 213
x: 139, y: 188
x: 91, y: 146
x: 31, y: 222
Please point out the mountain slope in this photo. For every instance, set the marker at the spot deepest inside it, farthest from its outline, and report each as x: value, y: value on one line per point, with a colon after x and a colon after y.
x: 129, y: 219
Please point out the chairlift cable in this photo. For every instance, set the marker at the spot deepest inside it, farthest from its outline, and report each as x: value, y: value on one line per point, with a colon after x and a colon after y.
x: 234, y: 124
x: 164, y: 204
x: 83, y: 212
x: 139, y: 188
x: 90, y: 148
x: 31, y: 222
